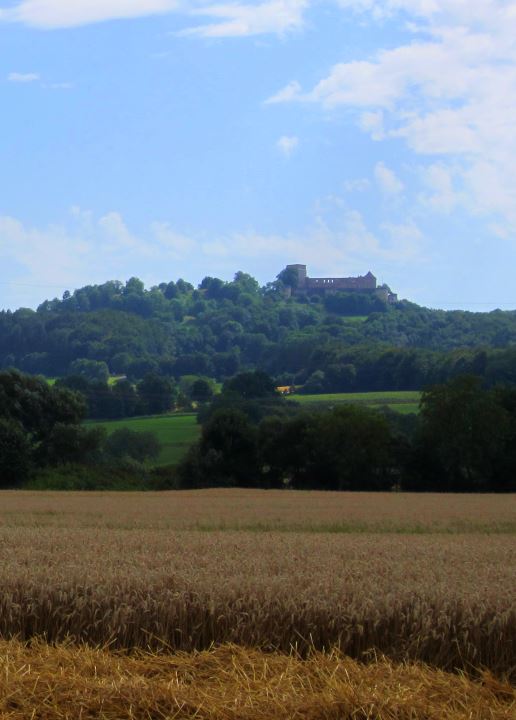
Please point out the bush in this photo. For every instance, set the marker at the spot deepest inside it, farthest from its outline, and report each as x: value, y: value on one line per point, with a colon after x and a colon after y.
x: 80, y: 477
x: 126, y: 443
x: 15, y: 454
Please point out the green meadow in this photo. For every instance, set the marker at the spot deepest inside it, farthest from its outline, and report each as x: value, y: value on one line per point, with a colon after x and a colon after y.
x: 175, y: 432
x: 403, y: 401
x: 355, y: 318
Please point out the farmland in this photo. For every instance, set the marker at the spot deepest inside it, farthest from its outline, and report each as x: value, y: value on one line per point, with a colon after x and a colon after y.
x: 426, y: 578
x: 232, y: 683
x: 403, y: 401
x: 175, y: 432
x: 178, y: 431
x: 243, y: 604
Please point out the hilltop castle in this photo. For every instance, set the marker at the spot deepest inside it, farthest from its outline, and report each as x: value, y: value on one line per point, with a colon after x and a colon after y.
x: 362, y: 283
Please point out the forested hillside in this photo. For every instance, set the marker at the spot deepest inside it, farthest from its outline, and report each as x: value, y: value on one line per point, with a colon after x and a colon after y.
x: 341, y: 342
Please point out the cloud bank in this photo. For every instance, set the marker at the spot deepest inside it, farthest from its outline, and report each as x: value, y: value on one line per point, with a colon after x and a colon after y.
x: 52, y: 14
x: 16, y: 77
x: 449, y: 93
x: 84, y: 249
x: 225, y: 20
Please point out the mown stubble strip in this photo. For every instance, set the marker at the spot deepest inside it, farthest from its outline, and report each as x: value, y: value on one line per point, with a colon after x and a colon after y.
x: 229, y: 683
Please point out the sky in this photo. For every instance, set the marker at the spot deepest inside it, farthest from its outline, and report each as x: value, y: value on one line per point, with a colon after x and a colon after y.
x: 183, y: 138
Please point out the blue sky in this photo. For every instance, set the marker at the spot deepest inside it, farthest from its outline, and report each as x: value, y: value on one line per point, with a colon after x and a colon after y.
x: 174, y: 138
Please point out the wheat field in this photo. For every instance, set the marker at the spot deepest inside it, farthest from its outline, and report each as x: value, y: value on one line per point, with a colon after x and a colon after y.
x: 262, y: 510
x: 251, y: 604
x: 129, y: 571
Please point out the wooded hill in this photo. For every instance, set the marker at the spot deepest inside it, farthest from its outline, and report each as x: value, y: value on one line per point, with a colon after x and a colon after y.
x: 340, y: 342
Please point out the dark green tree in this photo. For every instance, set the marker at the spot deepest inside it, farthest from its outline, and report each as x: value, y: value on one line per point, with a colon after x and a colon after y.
x: 201, y: 391
x: 72, y: 444
x: 251, y: 385
x: 156, y: 394
x: 466, y: 429
x: 351, y: 450
x: 126, y: 443
x: 15, y: 454
x: 226, y: 454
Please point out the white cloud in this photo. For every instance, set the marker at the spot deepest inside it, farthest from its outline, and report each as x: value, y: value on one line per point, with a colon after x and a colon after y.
x: 448, y: 94
x: 231, y: 19
x: 373, y: 123
x: 292, y: 91
x: 81, y: 250
x: 59, y: 86
x: 343, y: 246
x: 240, y: 20
x: 287, y: 144
x: 49, y: 14
x: 16, y: 77
x: 85, y: 249
x: 387, y: 180
x: 116, y: 232
x: 171, y: 240
x: 357, y: 185
x: 439, y: 193
x: 43, y: 256
x: 406, y: 240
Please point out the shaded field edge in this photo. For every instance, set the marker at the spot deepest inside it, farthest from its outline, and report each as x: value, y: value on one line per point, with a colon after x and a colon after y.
x: 445, y: 633
x: 462, y: 527
x: 50, y: 519
x: 40, y: 681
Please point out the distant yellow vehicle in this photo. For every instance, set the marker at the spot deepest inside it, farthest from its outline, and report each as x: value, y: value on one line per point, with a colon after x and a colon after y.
x: 286, y: 389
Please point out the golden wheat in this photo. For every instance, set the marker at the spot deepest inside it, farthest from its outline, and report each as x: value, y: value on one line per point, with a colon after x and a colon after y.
x: 233, y: 683
x: 109, y: 569
x: 262, y: 510
x: 447, y: 600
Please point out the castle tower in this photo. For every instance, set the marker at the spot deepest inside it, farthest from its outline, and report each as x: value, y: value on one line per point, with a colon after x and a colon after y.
x: 301, y: 274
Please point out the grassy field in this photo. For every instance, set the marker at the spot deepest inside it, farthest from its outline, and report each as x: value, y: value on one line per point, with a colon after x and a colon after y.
x: 355, y: 319
x: 175, y: 432
x: 401, y: 401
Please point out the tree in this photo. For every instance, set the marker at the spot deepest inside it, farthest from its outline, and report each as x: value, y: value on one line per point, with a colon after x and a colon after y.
x: 72, y: 444
x: 201, y: 391
x: 156, y: 394
x: 466, y: 429
x: 15, y: 454
x: 285, y: 450
x: 125, y: 397
x: 90, y: 369
x: 40, y: 424
x: 289, y: 277
x: 226, y: 454
x: 126, y: 443
x: 351, y: 450
x: 251, y: 385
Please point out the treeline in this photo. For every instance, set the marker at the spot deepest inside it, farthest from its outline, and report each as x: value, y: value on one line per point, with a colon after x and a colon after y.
x: 221, y: 328
x: 153, y: 395
x: 313, y: 369
x: 43, y: 441
x: 333, y: 368
x: 464, y: 440
x: 326, y: 369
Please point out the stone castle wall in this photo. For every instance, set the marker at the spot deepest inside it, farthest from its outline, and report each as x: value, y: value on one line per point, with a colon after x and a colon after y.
x: 365, y: 283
